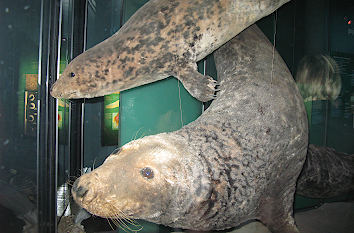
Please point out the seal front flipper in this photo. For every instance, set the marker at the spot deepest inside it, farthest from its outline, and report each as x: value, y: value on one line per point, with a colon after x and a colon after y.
x: 201, y: 87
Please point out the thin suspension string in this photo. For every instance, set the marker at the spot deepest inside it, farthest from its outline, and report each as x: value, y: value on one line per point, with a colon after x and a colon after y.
x: 294, y: 37
x: 178, y: 82
x: 274, y: 44
x: 180, y: 103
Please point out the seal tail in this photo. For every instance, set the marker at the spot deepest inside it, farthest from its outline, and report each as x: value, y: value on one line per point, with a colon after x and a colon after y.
x: 326, y: 173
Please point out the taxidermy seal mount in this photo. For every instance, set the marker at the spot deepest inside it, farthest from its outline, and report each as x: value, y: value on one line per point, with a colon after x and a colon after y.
x: 238, y: 161
x: 163, y: 38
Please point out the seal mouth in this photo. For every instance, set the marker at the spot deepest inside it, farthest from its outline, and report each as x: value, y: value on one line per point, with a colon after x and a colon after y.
x: 104, y: 206
x: 107, y: 209
x: 54, y: 91
x: 69, y: 95
x: 58, y: 90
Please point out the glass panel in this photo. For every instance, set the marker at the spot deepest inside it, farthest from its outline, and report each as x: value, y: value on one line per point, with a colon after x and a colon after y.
x: 317, y: 34
x: 101, y: 115
x: 302, y: 29
x: 19, y: 49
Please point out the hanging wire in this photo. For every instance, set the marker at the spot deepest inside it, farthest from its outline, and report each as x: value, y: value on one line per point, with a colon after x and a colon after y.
x: 274, y: 43
x: 178, y: 81
x: 180, y: 102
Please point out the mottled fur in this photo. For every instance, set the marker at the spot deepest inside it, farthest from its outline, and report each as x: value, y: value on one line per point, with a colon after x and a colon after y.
x: 163, y: 38
x: 238, y: 161
x: 327, y: 173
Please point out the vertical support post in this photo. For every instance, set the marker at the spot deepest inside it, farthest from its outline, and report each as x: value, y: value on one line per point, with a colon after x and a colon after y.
x: 47, y: 127
x: 78, y: 45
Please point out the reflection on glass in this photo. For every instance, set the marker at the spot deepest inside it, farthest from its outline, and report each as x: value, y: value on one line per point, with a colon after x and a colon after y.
x: 318, y: 78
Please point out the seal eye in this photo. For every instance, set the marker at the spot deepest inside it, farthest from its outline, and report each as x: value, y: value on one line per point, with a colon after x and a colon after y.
x: 147, y: 173
x: 72, y: 74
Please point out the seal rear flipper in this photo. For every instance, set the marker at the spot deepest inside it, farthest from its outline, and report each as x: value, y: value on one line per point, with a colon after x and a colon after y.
x: 201, y: 87
x: 276, y: 213
x: 326, y: 173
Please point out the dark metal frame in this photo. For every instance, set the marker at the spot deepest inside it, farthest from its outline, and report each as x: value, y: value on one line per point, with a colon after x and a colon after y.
x: 47, y: 129
x: 78, y: 45
x: 47, y: 134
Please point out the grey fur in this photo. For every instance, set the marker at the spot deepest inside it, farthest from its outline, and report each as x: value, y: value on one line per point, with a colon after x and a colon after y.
x: 327, y: 173
x: 238, y: 161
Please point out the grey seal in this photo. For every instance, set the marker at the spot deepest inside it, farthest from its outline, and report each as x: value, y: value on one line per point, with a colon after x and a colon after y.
x: 163, y: 38
x: 238, y: 161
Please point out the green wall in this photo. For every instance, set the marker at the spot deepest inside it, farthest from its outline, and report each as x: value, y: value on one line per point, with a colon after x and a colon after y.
x: 154, y: 108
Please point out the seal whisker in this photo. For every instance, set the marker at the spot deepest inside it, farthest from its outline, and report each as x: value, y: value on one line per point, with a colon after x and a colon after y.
x: 121, y: 217
x: 130, y: 221
x: 93, y: 163
x: 73, y: 177
x: 109, y: 223
x: 134, y: 223
x: 85, y: 170
x: 127, y: 218
x: 121, y: 224
x: 70, y: 182
x: 136, y: 134
x: 117, y: 222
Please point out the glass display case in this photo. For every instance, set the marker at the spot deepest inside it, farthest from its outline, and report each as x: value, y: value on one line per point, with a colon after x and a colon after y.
x: 46, y: 143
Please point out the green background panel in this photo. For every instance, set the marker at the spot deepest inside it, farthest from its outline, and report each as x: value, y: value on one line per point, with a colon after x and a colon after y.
x: 155, y: 107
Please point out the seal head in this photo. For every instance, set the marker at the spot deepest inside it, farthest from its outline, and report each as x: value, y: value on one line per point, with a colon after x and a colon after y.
x: 140, y: 186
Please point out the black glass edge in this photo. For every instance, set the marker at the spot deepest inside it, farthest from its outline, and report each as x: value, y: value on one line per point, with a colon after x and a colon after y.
x: 78, y: 45
x: 47, y: 130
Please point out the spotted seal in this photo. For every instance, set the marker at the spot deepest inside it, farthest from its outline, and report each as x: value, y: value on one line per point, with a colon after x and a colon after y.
x: 163, y: 38
x: 238, y: 161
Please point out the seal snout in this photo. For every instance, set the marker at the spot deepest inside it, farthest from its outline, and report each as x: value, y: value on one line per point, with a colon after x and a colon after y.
x: 79, y: 190
x: 54, y: 91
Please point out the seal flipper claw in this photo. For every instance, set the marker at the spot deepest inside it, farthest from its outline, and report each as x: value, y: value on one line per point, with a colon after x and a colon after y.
x: 201, y: 87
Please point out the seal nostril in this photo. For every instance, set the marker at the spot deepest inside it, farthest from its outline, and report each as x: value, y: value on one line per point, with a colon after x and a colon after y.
x: 81, y: 191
